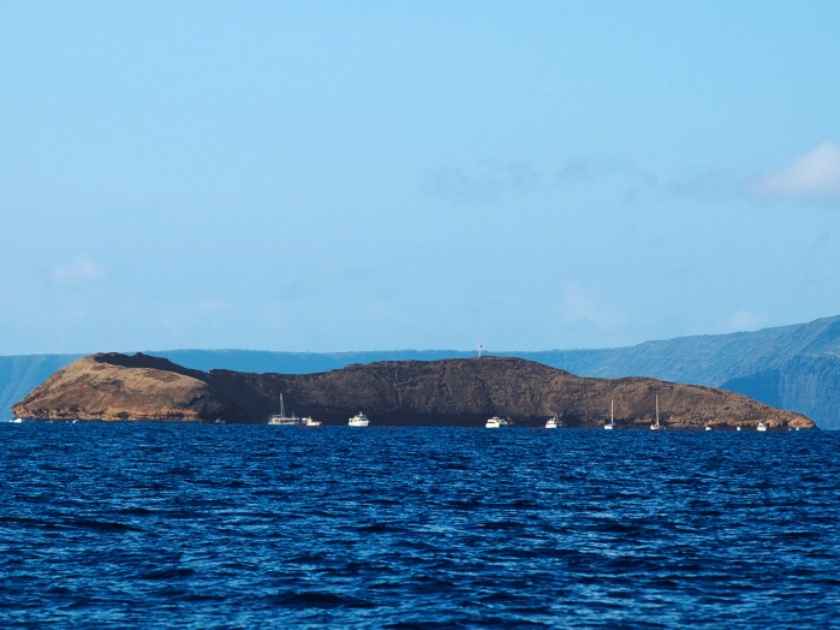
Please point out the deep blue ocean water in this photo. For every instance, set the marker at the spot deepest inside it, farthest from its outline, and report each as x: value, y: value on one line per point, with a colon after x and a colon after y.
x: 188, y: 525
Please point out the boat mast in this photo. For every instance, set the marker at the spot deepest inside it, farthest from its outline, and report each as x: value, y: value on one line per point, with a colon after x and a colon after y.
x: 282, y: 407
x: 657, y: 410
x: 612, y: 412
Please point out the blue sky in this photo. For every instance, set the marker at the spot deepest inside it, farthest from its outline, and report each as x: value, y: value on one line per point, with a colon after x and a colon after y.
x: 372, y: 175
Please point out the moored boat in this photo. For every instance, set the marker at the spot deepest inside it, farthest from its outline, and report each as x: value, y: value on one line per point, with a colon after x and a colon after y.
x: 281, y: 419
x: 611, y: 424
x: 552, y: 423
x: 359, y: 420
x: 495, y: 423
x: 656, y: 426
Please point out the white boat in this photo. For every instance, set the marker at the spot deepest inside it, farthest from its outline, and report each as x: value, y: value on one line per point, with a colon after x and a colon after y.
x: 281, y: 419
x: 552, y: 423
x: 738, y: 428
x: 311, y: 422
x: 708, y: 428
x: 761, y: 427
x: 16, y: 421
x: 656, y: 426
x: 359, y: 420
x: 495, y: 423
x: 611, y: 424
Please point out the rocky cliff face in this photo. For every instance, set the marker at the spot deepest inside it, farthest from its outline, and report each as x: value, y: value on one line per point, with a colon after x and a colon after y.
x: 448, y: 392
x: 116, y: 387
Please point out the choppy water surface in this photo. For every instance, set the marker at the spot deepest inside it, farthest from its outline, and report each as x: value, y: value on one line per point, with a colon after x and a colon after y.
x: 188, y: 525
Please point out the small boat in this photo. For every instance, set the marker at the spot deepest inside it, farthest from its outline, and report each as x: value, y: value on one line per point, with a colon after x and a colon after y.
x: 552, y: 423
x: 281, y: 419
x: 359, y: 420
x: 656, y: 426
x: 311, y: 422
x: 16, y: 421
x: 495, y: 423
x: 737, y: 428
x: 611, y: 424
x: 761, y: 427
x: 707, y: 428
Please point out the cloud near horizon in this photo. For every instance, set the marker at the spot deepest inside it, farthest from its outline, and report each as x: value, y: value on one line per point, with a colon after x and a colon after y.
x: 80, y: 269
x: 812, y: 175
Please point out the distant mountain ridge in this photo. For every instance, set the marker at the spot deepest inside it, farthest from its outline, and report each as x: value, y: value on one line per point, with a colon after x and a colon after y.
x: 795, y: 367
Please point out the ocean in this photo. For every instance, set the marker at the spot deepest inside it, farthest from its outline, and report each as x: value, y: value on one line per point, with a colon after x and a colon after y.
x: 202, y: 526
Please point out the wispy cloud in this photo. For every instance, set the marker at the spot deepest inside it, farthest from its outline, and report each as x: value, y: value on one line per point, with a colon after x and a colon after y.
x: 212, y: 305
x: 582, y: 305
x: 495, y: 182
x: 744, y: 320
x: 812, y: 175
x: 489, y: 182
x: 80, y: 269
x: 595, y: 170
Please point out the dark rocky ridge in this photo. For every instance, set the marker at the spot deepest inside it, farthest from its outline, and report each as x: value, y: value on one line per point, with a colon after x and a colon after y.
x: 447, y: 392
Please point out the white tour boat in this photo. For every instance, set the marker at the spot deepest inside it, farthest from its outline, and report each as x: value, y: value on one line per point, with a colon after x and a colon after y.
x: 359, y: 420
x: 495, y: 423
x: 311, y: 422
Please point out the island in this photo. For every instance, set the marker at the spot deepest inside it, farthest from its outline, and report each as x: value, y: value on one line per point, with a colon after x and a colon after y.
x: 453, y: 392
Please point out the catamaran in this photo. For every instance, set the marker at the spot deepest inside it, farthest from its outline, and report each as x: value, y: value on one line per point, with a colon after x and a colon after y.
x: 611, y: 425
x: 656, y: 426
x: 359, y: 420
x: 281, y: 419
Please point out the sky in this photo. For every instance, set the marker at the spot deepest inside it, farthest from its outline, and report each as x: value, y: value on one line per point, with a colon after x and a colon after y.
x: 327, y: 176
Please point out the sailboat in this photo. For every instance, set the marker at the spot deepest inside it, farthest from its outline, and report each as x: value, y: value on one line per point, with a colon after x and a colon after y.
x: 552, y: 423
x: 611, y: 425
x: 656, y: 426
x: 282, y: 419
x: 761, y: 426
